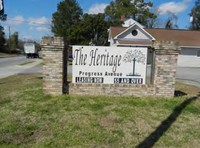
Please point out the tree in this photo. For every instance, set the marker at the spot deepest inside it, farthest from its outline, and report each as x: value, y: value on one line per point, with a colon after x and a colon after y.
x: 91, y: 29
x: 2, y: 38
x: 94, y: 29
x: 195, y: 16
x: 2, y: 15
x: 76, y: 28
x: 136, y: 9
x: 13, y: 42
x: 2, y: 18
x: 171, y: 22
x: 68, y: 14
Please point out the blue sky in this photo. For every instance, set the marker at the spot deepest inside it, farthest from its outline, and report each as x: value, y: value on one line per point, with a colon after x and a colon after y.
x: 32, y: 18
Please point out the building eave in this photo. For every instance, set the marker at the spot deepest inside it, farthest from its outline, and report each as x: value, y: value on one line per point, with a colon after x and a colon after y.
x: 133, y: 45
x: 190, y: 46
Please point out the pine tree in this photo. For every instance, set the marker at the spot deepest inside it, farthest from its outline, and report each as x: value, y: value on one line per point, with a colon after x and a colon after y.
x: 2, y: 39
x: 3, y: 16
x: 195, y: 16
x: 136, y: 9
x: 68, y: 14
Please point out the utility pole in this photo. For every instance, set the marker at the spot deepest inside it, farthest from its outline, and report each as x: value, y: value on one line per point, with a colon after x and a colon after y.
x: 9, y: 41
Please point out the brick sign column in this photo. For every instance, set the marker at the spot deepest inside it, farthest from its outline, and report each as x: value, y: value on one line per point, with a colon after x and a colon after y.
x: 165, y: 63
x: 52, y: 51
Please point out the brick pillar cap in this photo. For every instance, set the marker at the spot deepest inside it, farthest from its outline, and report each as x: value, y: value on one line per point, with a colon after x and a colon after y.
x: 52, y: 41
x: 164, y: 45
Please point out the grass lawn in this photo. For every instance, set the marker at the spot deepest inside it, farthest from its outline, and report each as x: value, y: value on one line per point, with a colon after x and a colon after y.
x: 28, y: 118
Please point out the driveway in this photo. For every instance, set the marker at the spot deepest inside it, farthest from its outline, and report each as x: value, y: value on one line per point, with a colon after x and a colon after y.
x: 188, y: 75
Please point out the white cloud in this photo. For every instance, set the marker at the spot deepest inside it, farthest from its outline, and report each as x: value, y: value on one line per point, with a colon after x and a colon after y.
x: 28, y: 28
x: 39, y: 29
x: 39, y: 21
x: 18, y: 20
x: 97, y: 8
x: 43, y: 29
x: 173, y: 7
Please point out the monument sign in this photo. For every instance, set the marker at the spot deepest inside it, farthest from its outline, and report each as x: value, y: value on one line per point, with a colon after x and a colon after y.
x: 109, y: 65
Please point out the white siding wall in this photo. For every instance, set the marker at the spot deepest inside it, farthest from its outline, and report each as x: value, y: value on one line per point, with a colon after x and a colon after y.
x: 188, y: 57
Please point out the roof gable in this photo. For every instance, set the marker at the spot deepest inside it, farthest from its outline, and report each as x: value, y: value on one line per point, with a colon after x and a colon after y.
x: 130, y: 21
x: 140, y: 34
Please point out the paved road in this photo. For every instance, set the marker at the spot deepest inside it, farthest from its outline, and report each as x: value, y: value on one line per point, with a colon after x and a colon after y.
x: 188, y: 75
x: 5, y: 62
x: 14, y: 65
x: 11, y: 66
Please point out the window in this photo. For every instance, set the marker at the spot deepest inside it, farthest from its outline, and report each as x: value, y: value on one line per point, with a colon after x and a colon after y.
x: 198, y: 53
x: 134, y: 32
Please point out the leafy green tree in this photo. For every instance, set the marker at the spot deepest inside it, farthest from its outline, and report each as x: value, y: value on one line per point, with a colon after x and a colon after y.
x: 13, y: 42
x: 2, y: 34
x: 2, y: 38
x: 136, y: 9
x: 3, y: 16
x: 195, y: 16
x: 68, y: 14
x: 92, y: 29
x: 78, y: 28
x: 100, y: 29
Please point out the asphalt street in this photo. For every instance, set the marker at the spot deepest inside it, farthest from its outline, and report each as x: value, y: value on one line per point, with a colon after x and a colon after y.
x: 11, y: 66
x: 21, y: 65
x: 16, y: 65
x: 6, y: 62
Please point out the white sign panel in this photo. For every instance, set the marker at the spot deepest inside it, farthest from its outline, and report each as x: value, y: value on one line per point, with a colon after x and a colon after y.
x: 109, y: 65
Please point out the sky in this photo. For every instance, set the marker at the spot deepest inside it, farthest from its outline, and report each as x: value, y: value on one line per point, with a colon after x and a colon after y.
x: 32, y: 18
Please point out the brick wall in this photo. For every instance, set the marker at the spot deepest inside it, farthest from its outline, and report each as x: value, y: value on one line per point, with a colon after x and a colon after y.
x: 52, y: 51
x: 165, y: 63
x: 164, y: 70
